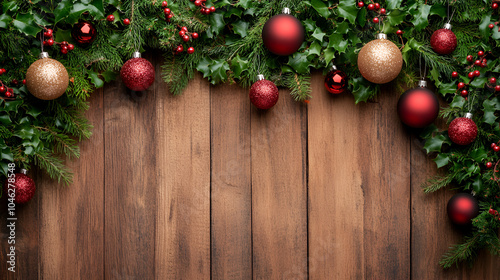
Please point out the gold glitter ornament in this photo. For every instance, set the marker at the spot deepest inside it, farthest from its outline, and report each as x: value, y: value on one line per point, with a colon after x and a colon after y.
x: 380, y: 61
x: 47, y: 78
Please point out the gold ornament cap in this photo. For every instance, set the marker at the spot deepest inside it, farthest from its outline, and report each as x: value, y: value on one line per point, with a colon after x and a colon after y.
x: 260, y: 77
x: 382, y: 36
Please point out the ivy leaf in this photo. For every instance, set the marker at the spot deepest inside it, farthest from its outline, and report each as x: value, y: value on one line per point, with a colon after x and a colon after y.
x: 442, y: 160
x: 239, y: 65
x: 24, y: 23
x: 393, y: 4
x: 241, y: 27
x: 219, y: 71
x: 300, y: 63
x: 318, y: 34
x: 420, y: 17
x: 435, y: 143
x: 321, y: 8
x: 94, y: 78
x: 203, y: 67
x: 348, y: 10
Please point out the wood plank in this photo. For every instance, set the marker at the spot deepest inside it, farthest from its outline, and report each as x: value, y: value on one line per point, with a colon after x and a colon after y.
x: 279, y: 190
x: 72, y: 218
x: 26, y: 236
x: 359, y: 188
x: 131, y: 182
x: 231, y: 217
x: 183, y: 196
x: 432, y: 231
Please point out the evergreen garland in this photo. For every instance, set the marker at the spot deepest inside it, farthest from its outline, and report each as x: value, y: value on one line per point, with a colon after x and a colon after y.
x: 230, y: 50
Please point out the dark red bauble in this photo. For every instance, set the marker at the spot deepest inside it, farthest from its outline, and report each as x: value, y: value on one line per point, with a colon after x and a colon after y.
x: 84, y: 33
x: 418, y: 107
x: 462, y: 208
x: 138, y: 74
x: 336, y: 81
x: 24, y: 188
x: 283, y: 34
x: 443, y: 41
x: 264, y: 94
x: 462, y: 131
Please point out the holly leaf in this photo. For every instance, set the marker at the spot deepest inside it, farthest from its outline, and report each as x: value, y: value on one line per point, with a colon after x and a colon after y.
x: 361, y: 18
x: 62, y: 10
x: 396, y: 17
x: 479, y: 154
x: 442, y: 160
x: 420, y: 17
x: 216, y: 24
x: 5, y: 20
x: 299, y: 62
x: 309, y: 24
x: 218, y: 70
x: 239, y: 65
x: 342, y: 28
x: 479, y: 82
x: 24, y: 23
x: 329, y: 55
x: 477, y: 185
x: 241, y: 27
x: 435, y: 143
x: 315, y: 49
x: 94, y: 78
x: 338, y: 43
x: 109, y: 75
x: 321, y: 8
x: 348, y: 9
x: 438, y: 9
x: 318, y: 34
x: 393, y: 4
x: 490, y: 106
x: 483, y: 26
x: 457, y: 102
x: 5, y: 119
x: 362, y: 89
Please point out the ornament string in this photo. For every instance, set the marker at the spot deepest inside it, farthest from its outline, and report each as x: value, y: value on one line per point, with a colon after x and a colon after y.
x: 423, y: 73
x: 448, y: 12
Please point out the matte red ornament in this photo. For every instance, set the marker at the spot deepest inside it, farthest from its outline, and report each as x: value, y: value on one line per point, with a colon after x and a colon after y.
x: 463, y: 131
x: 444, y: 41
x: 137, y: 73
x: 336, y: 81
x: 263, y: 94
x: 84, y: 33
x: 462, y: 208
x: 24, y: 188
x: 418, y: 107
x: 283, y: 34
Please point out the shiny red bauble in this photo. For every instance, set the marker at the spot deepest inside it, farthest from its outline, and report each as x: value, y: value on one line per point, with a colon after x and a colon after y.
x: 84, y: 33
x: 283, y: 34
x: 264, y: 94
x: 418, y: 107
x: 462, y: 208
x: 336, y: 81
x: 444, y: 41
x: 138, y: 74
x: 462, y: 131
x: 24, y: 188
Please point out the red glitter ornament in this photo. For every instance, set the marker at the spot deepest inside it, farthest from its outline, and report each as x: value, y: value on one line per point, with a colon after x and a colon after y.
x: 418, y: 107
x: 444, y: 41
x: 462, y: 208
x: 137, y: 73
x: 263, y: 94
x: 23, y: 186
x: 463, y: 131
x: 336, y: 81
x: 84, y: 33
x: 283, y: 34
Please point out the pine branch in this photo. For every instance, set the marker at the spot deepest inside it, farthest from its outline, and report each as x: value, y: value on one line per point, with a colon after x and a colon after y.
x: 461, y: 252
x: 54, y: 166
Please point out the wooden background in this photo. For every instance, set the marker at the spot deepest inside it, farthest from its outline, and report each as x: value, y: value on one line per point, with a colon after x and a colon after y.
x: 205, y: 186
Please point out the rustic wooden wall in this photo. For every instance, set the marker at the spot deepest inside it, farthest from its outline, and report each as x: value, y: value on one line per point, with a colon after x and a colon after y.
x: 204, y: 186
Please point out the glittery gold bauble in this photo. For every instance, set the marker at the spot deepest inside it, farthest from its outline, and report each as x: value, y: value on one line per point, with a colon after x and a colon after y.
x: 380, y: 61
x: 47, y: 79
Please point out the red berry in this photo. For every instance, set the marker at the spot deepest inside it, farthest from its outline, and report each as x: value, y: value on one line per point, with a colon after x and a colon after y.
x: 361, y: 4
x: 185, y: 38
x: 484, y: 64
x: 454, y: 74
x: 480, y: 53
x: 197, y: 3
x: 4, y: 71
x: 493, y: 80
x: 383, y: 11
x: 167, y: 11
x: 126, y: 21
x: 2, y: 88
x: 399, y: 32
x: 477, y: 62
x: 170, y: 16
x: 371, y: 7
x: 182, y: 33
x: 64, y: 51
x: 71, y: 47
x: 471, y: 75
x: 464, y: 93
x: 11, y: 90
x: 493, y: 145
x: 185, y: 29
x: 180, y: 49
x: 1, y: 72
x: 9, y: 94
x: 469, y: 58
x: 110, y: 18
x: 491, y: 211
x: 377, y: 6
x: 477, y: 73
x: 24, y: 81
x: 212, y: 9
x: 496, y: 148
x: 497, y: 88
x: 494, y: 6
x: 164, y: 4
x: 461, y: 85
x: 190, y: 50
x: 195, y: 35
x: 376, y: 20
x: 50, y: 42
x: 64, y: 47
x: 491, y: 25
x: 489, y: 165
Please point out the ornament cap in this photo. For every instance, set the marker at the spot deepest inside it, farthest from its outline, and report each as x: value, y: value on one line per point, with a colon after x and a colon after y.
x: 43, y: 55
x: 447, y: 26
x: 334, y: 67
x: 286, y: 11
x: 468, y: 115
x: 260, y: 77
x: 136, y: 55
x: 382, y: 36
x: 422, y: 83
x: 24, y: 171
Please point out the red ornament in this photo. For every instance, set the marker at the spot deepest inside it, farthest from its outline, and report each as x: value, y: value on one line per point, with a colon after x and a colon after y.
x: 283, y: 34
x: 137, y: 73
x: 336, y: 81
x: 263, y: 94
x: 84, y: 33
x: 463, y: 131
x: 24, y: 188
x: 444, y: 41
x: 462, y: 208
x: 418, y: 107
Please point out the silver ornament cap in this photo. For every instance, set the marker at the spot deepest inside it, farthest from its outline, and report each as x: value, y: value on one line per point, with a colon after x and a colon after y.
x: 136, y: 55
x: 24, y: 171
x: 382, y: 36
x: 468, y: 115
x: 260, y: 77
x: 286, y: 11
x: 43, y: 55
x: 447, y: 26
x: 422, y: 83
x: 334, y: 67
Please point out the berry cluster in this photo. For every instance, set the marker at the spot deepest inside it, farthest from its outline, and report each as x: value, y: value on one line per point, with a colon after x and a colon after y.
x: 186, y: 36
x: 481, y: 62
x: 111, y: 18
x: 6, y: 91
x: 168, y: 13
x: 204, y: 9
x: 64, y: 46
x: 494, y: 213
x: 376, y: 8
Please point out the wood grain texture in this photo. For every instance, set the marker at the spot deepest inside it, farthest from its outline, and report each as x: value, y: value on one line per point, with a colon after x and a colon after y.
x: 359, y: 188
x: 72, y: 218
x: 432, y: 231
x: 183, y: 191
x: 131, y: 149
x: 279, y: 190
x: 231, y: 217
